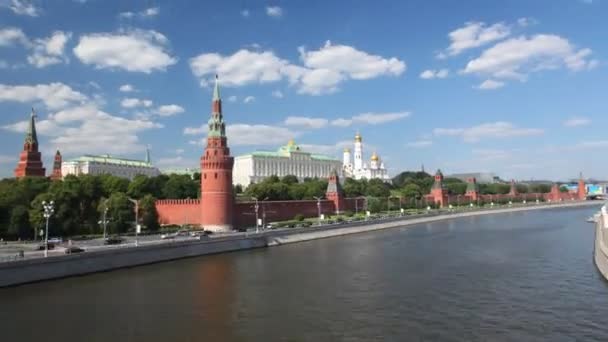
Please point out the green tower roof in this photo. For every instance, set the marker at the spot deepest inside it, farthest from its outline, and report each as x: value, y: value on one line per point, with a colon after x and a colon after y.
x: 31, y: 136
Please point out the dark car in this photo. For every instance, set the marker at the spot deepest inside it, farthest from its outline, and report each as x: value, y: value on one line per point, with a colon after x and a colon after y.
x: 113, y: 240
x: 73, y: 249
x: 49, y: 245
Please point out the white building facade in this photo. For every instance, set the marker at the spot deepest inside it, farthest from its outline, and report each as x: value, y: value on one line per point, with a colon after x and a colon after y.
x: 287, y: 160
x: 106, y: 164
x: 358, y: 169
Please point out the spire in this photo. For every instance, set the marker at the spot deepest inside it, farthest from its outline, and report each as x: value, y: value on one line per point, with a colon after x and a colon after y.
x: 148, y: 155
x: 31, y: 136
x: 216, y: 90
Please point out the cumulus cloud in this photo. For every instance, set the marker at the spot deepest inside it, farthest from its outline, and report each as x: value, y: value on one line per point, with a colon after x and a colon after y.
x: 420, y: 143
x: 135, y: 51
x: 232, y: 98
x: 147, y: 13
x: 474, y: 34
x: 245, y: 13
x: 576, y: 122
x: 248, y: 135
x: 278, y: 94
x: 431, y: 74
x: 306, y: 122
x: 132, y: 102
x: 498, y: 129
x: 23, y: 7
x: 490, y: 84
x: 249, y: 99
x: 53, y: 95
x: 50, y: 50
x: 169, y: 110
x: 274, y: 11
x: 127, y: 88
x: 322, y: 72
x: 328, y: 149
x: 515, y: 58
x: 10, y: 36
x: 370, y: 118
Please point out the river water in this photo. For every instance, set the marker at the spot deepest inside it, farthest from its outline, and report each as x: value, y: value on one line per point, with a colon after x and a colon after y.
x: 507, y: 277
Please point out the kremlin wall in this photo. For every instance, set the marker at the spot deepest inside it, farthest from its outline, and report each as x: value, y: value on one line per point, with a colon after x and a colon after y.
x: 217, y: 209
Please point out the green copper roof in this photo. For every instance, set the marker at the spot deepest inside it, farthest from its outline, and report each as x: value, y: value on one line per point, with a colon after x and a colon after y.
x: 31, y: 136
x: 285, y: 152
x: 217, y: 128
x: 216, y: 90
x: 107, y: 159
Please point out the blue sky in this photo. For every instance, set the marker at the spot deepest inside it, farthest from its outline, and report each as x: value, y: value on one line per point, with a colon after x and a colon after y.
x: 514, y: 87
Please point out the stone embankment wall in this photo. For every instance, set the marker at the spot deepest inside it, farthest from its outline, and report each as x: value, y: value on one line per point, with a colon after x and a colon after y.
x: 601, y: 243
x: 32, y: 270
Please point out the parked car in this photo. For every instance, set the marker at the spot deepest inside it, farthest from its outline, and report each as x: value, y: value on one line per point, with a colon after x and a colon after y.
x: 55, y: 240
x: 167, y: 236
x: 49, y: 245
x: 113, y: 240
x: 182, y: 233
x: 73, y: 249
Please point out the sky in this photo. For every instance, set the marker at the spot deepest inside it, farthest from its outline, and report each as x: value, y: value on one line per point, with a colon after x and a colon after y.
x: 513, y: 87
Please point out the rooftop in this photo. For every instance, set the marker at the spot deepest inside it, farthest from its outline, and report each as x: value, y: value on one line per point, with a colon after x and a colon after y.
x: 286, y: 151
x: 108, y: 159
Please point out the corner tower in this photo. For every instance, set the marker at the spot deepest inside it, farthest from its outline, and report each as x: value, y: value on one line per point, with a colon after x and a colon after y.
x: 30, y: 163
x: 217, y: 199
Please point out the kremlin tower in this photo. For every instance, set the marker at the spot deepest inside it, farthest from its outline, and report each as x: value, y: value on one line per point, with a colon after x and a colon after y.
x: 56, y: 175
x: 30, y: 163
x: 217, y: 198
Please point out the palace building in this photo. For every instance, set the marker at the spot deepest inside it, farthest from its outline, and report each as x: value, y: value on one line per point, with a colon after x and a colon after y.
x: 106, y: 164
x: 360, y: 169
x: 287, y: 160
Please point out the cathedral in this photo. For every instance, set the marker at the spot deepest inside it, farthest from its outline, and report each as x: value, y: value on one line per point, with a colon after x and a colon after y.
x: 358, y: 169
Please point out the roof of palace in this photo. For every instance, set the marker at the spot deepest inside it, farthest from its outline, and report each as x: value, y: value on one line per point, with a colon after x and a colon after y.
x: 286, y: 151
x: 107, y: 159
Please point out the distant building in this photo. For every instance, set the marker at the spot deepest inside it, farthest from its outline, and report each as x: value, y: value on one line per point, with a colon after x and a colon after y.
x: 287, y: 160
x: 185, y: 171
x: 358, y: 169
x: 480, y: 177
x: 30, y: 160
x: 106, y: 164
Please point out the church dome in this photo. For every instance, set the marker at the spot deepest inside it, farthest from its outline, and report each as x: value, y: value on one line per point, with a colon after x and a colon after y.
x: 357, y: 137
x: 375, y: 157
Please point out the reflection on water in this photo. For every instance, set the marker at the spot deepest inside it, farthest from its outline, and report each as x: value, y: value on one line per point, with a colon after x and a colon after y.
x: 512, y: 277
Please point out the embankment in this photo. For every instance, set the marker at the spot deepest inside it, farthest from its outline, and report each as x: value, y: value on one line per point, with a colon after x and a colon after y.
x: 600, y: 254
x: 32, y: 270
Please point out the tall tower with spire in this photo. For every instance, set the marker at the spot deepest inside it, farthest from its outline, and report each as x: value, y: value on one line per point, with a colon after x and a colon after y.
x: 30, y: 160
x: 56, y: 175
x: 217, y: 199
x: 358, y: 155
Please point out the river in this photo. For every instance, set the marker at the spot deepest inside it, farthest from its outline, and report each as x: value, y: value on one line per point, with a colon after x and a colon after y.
x: 526, y: 276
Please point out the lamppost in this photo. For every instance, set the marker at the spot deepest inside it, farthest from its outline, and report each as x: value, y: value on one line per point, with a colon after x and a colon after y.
x: 318, y: 207
x: 134, y: 201
x: 104, y: 221
x: 48, y: 212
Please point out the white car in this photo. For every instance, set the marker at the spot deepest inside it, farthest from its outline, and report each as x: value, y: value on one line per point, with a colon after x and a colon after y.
x: 167, y: 236
x: 55, y: 240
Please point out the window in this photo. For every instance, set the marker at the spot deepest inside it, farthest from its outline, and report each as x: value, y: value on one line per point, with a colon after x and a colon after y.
x: 216, y: 175
x: 205, y: 176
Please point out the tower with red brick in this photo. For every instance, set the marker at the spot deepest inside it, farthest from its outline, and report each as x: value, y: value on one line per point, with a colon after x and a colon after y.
x: 582, y: 189
x: 513, y: 190
x: 334, y: 191
x: 30, y: 160
x: 472, y: 189
x: 217, y: 198
x: 56, y: 175
x: 438, y: 192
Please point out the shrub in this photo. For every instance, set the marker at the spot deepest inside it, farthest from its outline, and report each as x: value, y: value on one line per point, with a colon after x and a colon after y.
x: 299, y: 217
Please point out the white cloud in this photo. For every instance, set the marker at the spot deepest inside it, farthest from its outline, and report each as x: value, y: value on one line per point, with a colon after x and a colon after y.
x: 245, y: 13
x: 248, y: 135
x: 127, y: 88
x: 87, y: 129
x: 50, y: 51
x: 515, y: 58
x: 249, y: 99
x: 11, y: 35
x: 232, y: 98
x: 177, y: 162
x: 132, y: 102
x: 498, y: 129
x: 147, y: 13
x: 525, y: 22
x: 323, y: 69
x: 53, y: 95
x: 330, y: 150
x: 491, y: 154
x: 306, y: 122
x: 169, y: 110
x: 474, y: 34
x: 136, y: 51
x: 590, y: 144
x: 23, y: 7
x: 431, y: 74
x: 274, y: 11
x: 490, y: 84
x: 576, y: 122
x: 278, y: 94
x: 370, y: 118
x: 420, y: 143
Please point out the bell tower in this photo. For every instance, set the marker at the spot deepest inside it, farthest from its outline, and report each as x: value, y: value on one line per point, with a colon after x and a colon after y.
x: 217, y: 199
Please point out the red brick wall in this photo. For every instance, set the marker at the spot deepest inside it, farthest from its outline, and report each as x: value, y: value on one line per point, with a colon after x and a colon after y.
x: 182, y: 211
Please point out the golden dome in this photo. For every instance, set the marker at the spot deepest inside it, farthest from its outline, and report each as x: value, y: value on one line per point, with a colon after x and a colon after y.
x: 357, y: 137
x: 346, y: 150
x: 291, y: 142
x: 375, y: 157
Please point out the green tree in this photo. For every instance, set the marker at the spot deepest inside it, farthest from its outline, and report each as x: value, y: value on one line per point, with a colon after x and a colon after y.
x: 111, y: 184
x: 411, y: 190
x: 20, y: 222
x: 120, y: 213
x: 181, y: 186
x: 377, y: 188
x: 290, y: 180
x: 149, y: 216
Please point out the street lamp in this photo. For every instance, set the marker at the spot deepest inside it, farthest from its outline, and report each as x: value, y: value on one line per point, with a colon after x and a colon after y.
x: 318, y: 207
x: 134, y: 201
x: 48, y: 212
x: 257, y: 207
